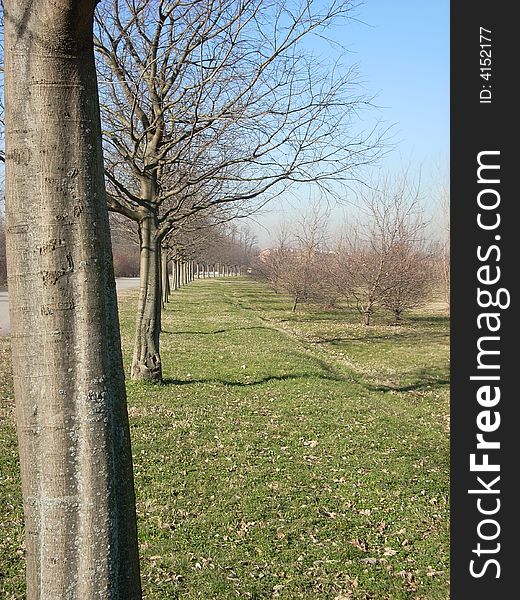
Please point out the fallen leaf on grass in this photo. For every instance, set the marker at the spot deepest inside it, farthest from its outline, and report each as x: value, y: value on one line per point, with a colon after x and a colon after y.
x: 360, y: 545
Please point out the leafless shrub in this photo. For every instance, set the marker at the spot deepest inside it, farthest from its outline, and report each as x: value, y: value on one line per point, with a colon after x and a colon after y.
x: 376, y: 254
x: 381, y: 260
x: 296, y: 264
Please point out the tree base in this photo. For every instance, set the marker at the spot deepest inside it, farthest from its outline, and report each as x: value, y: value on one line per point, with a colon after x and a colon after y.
x: 149, y: 370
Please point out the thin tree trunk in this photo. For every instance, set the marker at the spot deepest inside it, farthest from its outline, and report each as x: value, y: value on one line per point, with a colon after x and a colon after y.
x: 168, y: 281
x: 146, y: 363
x: 165, y: 284
x: 295, y: 303
x: 72, y: 421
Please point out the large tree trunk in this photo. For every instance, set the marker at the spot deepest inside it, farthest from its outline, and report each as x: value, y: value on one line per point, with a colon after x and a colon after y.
x: 146, y: 363
x: 71, y: 414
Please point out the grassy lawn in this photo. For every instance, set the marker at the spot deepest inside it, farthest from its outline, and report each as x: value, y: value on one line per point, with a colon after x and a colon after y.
x: 294, y: 456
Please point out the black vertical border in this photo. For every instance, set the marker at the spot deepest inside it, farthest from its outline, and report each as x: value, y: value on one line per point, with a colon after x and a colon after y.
x: 477, y: 127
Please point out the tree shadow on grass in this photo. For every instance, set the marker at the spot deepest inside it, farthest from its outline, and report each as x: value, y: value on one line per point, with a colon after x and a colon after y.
x: 408, y: 336
x: 263, y: 380
x: 213, y: 332
x: 424, y: 380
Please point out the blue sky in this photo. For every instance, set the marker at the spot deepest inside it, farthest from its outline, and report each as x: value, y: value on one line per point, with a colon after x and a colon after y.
x: 403, y: 57
x: 401, y: 48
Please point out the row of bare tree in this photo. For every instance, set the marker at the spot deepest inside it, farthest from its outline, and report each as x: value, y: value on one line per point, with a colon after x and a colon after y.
x: 381, y: 260
x: 218, y: 251
x: 209, y: 110
x: 205, y: 110
x: 230, y: 244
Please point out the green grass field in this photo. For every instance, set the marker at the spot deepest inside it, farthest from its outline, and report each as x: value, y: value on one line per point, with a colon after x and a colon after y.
x: 294, y: 456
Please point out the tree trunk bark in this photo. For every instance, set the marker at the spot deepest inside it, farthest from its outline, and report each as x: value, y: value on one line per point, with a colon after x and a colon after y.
x: 165, y: 283
x: 72, y: 423
x: 168, y: 280
x: 146, y: 363
x: 175, y: 275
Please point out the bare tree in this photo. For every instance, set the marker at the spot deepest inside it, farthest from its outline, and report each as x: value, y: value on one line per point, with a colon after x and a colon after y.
x: 125, y: 246
x: 270, y: 263
x: 216, y: 103
x: 444, y: 249
x: 412, y: 277
x: 71, y: 411
x: 295, y: 265
x: 372, y: 255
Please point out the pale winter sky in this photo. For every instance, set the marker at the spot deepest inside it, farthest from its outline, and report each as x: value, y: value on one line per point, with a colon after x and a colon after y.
x: 402, y: 52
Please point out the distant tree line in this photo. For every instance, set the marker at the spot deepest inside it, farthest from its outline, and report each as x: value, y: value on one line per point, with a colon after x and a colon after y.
x: 382, y: 260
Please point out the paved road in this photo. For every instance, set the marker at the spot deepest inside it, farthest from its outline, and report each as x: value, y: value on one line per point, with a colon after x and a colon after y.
x: 122, y: 283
